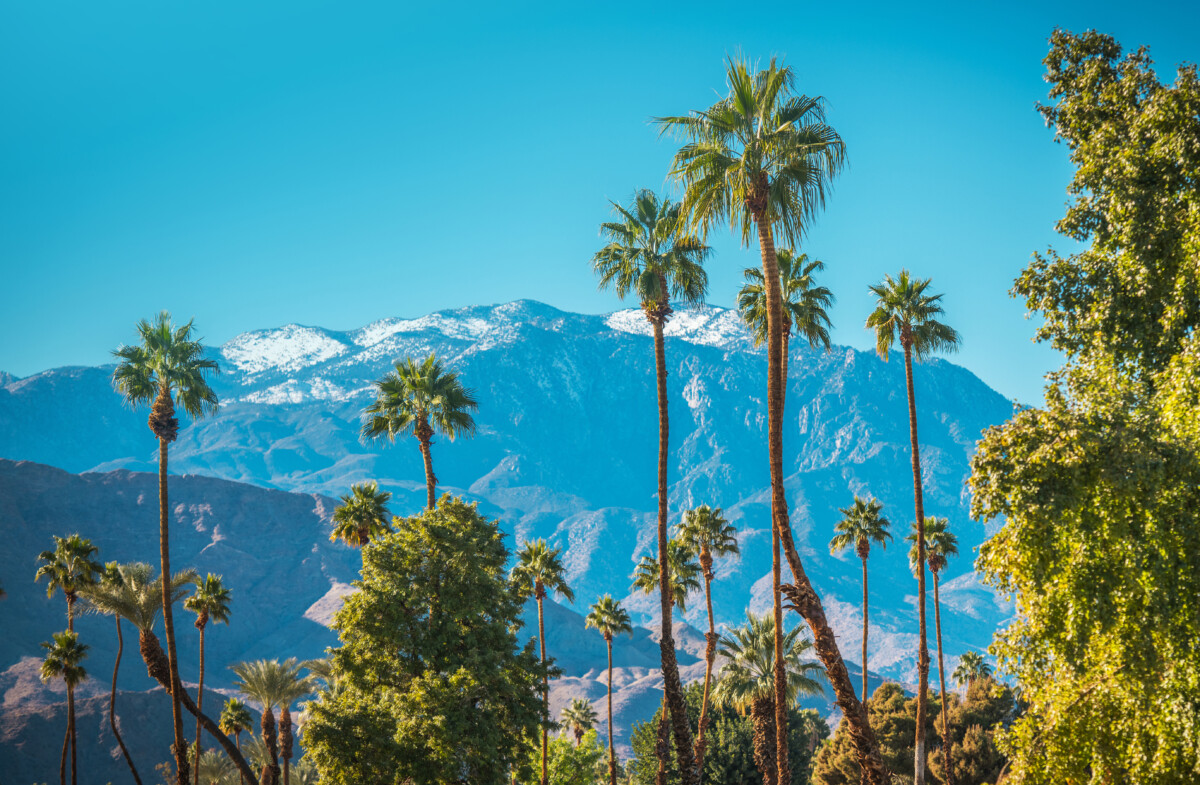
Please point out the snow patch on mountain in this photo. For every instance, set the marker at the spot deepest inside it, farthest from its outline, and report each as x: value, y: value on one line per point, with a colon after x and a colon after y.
x: 705, y: 325
x: 288, y: 348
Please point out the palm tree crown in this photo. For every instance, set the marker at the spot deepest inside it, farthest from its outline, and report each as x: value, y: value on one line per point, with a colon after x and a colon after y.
x: 362, y: 516
x: 649, y: 254
x: 705, y: 532
x: 210, y: 602
x: 235, y: 717
x: 608, y: 618
x: 904, y: 312
x: 940, y: 543
x: 580, y: 717
x: 749, y: 673
x: 272, y: 683
x: 862, y: 523
x: 69, y: 567
x: 971, y: 666
x: 64, y: 656
x: 539, y: 570
x: 417, y: 396
x: 804, y: 303
x: 684, y: 571
x: 137, y: 596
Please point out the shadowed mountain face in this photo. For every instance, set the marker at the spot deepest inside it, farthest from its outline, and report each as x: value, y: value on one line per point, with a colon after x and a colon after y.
x: 566, y: 450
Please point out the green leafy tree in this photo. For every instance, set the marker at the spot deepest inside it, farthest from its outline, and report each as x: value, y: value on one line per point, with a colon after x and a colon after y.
x: 166, y: 369
x: 421, y: 399
x: 1099, y: 489
x: 609, y: 619
x: 862, y: 523
x: 571, y: 764
x: 236, y: 718
x: 540, y: 569
x: 706, y: 532
x: 579, y: 717
x: 274, y: 684
x: 971, y: 666
x: 64, y: 660
x: 69, y: 568
x: 210, y: 602
x: 362, y: 516
x: 905, y: 312
x: 761, y: 159
x: 651, y: 254
x: 431, y: 684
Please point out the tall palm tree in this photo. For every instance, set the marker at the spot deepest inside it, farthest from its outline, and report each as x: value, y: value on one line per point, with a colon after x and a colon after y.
x: 71, y: 568
x: 421, y: 399
x: 861, y: 523
x: 274, y: 684
x: 650, y: 254
x: 580, y: 717
x: 747, y: 682
x: 609, y: 619
x: 539, y: 569
x: 99, y: 598
x: 971, y: 666
x: 940, y: 545
x: 235, y: 718
x: 906, y: 312
x: 210, y: 602
x: 362, y: 516
x: 64, y: 656
x: 762, y: 159
x: 166, y: 369
x: 706, y: 532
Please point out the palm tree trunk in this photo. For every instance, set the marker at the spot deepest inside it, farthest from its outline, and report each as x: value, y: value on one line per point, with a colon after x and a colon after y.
x: 74, y: 736
x: 199, y: 703
x: 662, y: 746
x: 710, y: 652
x: 672, y: 688
x: 62, y: 762
x: 424, y: 436
x: 937, y: 618
x: 612, y: 753
x: 801, y: 594
x: 540, y: 593
x: 783, y: 765
x: 112, y: 705
x: 762, y: 720
x: 180, y: 747
x: 270, y: 739
x: 864, y: 657
x: 919, y: 502
x: 70, y: 612
x: 285, y: 742
x: 237, y: 742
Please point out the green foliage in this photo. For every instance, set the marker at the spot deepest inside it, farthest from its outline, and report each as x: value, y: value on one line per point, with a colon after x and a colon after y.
x: 168, y: 359
x: 684, y: 572
x: 749, y: 664
x: 431, y: 685
x: 940, y: 543
x: 971, y: 666
x: 862, y: 523
x: 569, y: 763
x: 729, y: 753
x: 904, y: 311
x: 417, y: 396
x: 804, y: 303
x: 608, y: 618
x: 235, y: 717
x: 69, y: 567
x: 272, y: 683
x: 210, y: 601
x: 539, y: 568
x: 64, y: 659
x: 134, y: 593
x: 362, y: 515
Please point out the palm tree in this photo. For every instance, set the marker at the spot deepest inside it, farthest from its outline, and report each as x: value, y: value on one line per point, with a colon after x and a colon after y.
x: 362, y: 516
x: 69, y: 567
x: 64, y: 656
x: 903, y: 310
x: 274, y: 684
x: 421, y: 399
x: 971, y: 666
x: 100, y: 598
x: 761, y: 159
x: 212, y: 767
x: 861, y: 524
x: 168, y: 367
x: 580, y: 717
x: 940, y: 545
x: 609, y: 619
x: 235, y: 718
x: 747, y: 682
x: 649, y: 253
x: 210, y: 602
x: 706, y: 532
x: 540, y: 569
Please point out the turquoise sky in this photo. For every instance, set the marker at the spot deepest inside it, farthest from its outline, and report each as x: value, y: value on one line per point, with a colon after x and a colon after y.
x: 255, y: 164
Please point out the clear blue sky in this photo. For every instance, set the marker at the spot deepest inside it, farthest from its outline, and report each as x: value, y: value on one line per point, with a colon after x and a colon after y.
x: 255, y: 164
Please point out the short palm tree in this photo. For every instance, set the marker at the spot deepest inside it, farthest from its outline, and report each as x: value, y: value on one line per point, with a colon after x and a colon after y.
x: 761, y: 159
x: 609, y: 619
x: 580, y: 717
x: 747, y: 681
x: 539, y: 570
x: 64, y: 658
x: 421, y: 399
x: 210, y: 602
x: 971, y: 666
x: 274, y: 684
x: 362, y: 516
x: 904, y: 311
x: 100, y: 598
x: 862, y: 523
x: 213, y: 768
x: 705, y: 531
x: 940, y: 545
x: 71, y: 568
x: 651, y: 255
x: 166, y: 369
x: 235, y: 718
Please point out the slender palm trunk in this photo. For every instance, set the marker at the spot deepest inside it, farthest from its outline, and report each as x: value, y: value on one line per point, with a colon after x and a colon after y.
x: 662, y: 747
x: 540, y: 593
x: 112, y: 705
x: 919, y: 503
x: 62, y: 762
x: 237, y: 742
x: 937, y: 619
x: 424, y: 438
x: 865, y: 630
x: 612, y: 751
x: 270, y: 738
x: 762, y: 721
x: 199, y: 702
x: 672, y: 687
x: 710, y: 653
x: 179, y: 747
x: 285, y: 742
x: 783, y: 765
x: 801, y: 594
x: 74, y: 736
x: 70, y: 611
